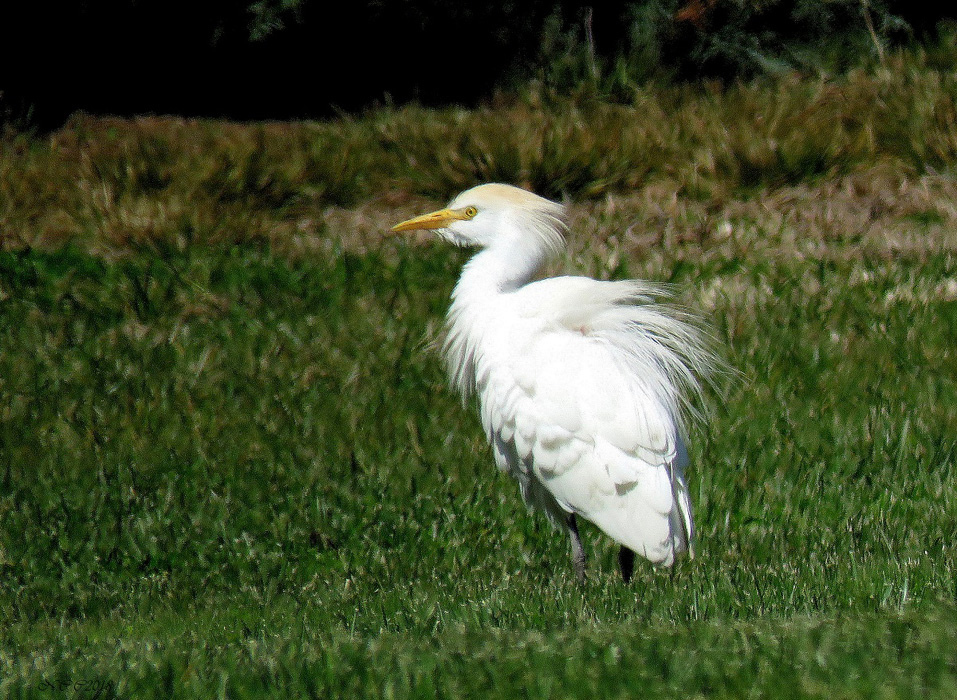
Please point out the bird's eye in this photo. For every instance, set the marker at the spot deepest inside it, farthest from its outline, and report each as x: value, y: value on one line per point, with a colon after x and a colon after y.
x: 470, y: 212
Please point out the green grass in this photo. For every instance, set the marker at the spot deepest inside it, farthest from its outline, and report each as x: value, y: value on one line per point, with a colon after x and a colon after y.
x: 229, y: 472
x: 230, y: 465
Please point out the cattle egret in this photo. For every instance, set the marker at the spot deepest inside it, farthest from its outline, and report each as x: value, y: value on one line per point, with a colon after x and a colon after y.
x: 582, y: 384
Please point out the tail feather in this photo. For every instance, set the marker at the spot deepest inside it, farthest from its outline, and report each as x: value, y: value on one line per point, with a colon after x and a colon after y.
x: 682, y: 522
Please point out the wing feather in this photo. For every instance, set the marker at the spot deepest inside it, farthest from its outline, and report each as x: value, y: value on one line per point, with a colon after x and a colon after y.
x: 582, y: 402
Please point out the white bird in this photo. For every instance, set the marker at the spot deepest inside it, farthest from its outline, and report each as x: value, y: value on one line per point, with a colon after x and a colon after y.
x: 583, y: 385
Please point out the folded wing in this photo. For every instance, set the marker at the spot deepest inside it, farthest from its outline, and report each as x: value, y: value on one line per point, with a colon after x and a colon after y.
x: 579, y: 411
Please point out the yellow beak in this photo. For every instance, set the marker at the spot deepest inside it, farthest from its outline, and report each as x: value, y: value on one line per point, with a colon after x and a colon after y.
x: 434, y: 220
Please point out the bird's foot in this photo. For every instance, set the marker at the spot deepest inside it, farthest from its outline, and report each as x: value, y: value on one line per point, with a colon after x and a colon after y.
x: 578, y: 561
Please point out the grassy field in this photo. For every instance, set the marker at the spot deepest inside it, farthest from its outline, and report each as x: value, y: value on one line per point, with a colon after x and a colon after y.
x: 230, y: 465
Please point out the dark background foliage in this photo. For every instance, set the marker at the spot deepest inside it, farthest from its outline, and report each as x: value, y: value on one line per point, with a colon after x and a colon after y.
x: 277, y: 59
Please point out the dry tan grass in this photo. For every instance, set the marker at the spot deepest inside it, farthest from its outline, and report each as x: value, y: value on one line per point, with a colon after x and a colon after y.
x: 874, y: 212
x: 798, y: 168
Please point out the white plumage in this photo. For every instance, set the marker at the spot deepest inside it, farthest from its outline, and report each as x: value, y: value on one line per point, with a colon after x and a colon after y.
x: 581, y: 384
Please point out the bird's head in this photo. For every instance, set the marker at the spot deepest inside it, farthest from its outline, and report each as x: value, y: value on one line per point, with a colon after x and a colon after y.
x: 495, y: 214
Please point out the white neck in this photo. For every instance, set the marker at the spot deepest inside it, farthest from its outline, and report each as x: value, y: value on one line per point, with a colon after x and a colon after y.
x: 493, y: 272
x: 503, y: 267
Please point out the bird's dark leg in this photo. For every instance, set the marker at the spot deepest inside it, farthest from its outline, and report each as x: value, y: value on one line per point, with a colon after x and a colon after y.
x: 626, y: 562
x: 578, y: 552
